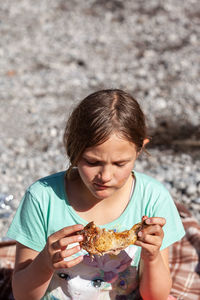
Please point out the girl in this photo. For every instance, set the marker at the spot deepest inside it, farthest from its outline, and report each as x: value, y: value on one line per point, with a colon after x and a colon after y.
x: 103, y: 138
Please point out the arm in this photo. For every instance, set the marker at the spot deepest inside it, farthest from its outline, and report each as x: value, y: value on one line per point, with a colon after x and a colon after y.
x: 30, y: 278
x: 33, y: 270
x: 155, y: 280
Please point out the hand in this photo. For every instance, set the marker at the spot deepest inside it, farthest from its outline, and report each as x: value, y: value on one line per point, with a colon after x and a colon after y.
x: 150, y: 238
x: 56, y: 250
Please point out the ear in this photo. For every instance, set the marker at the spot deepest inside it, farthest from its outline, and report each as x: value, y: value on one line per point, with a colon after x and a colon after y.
x: 145, y: 142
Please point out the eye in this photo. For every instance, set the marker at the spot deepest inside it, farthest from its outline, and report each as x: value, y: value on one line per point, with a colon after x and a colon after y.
x: 97, y: 282
x: 120, y: 164
x: 91, y: 163
x: 64, y: 276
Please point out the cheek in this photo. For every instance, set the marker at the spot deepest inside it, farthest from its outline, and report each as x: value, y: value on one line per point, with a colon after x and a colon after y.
x: 87, y: 173
x: 123, y: 176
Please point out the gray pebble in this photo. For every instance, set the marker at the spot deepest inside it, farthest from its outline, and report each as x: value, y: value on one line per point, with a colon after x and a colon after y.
x: 51, y: 58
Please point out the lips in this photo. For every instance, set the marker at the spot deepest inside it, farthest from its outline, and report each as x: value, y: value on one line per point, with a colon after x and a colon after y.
x: 100, y: 186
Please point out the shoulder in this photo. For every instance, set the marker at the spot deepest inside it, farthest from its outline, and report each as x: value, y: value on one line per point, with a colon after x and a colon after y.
x: 149, y: 184
x: 46, y: 185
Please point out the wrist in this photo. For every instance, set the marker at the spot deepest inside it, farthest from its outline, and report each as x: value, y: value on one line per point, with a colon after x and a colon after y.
x: 45, y: 265
x: 151, y: 259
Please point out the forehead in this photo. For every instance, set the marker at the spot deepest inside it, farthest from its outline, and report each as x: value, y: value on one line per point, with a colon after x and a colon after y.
x: 113, y: 146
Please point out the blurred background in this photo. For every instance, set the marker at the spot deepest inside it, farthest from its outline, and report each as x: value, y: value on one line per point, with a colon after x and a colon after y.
x: 54, y: 53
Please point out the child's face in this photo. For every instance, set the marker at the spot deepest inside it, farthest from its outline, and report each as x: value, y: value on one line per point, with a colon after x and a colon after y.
x: 105, y: 168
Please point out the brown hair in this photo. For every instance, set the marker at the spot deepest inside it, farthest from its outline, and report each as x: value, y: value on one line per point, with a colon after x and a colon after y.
x: 99, y: 115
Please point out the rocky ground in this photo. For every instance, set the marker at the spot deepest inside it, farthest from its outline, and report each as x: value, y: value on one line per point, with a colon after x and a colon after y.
x: 54, y: 53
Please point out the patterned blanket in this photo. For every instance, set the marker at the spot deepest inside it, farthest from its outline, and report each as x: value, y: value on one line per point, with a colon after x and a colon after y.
x: 184, y: 260
x: 7, y: 257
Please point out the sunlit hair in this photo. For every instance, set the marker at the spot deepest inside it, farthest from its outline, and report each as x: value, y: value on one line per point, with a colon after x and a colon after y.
x: 98, y: 116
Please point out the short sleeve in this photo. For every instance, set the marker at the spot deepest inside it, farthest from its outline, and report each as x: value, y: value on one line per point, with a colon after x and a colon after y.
x: 28, y: 225
x: 173, y: 229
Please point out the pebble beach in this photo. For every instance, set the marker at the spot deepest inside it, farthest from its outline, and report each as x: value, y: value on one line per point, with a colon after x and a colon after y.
x: 54, y: 53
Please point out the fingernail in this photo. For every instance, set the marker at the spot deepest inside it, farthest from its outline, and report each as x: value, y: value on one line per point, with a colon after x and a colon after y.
x: 147, y: 221
x: 80, y: 238
x: 140, y: 233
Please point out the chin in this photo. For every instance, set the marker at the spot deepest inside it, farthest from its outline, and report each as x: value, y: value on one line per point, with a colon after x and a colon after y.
x: 101, y: 194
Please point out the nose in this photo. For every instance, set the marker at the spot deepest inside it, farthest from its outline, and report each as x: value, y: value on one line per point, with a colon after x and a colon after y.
x: 105, y: 174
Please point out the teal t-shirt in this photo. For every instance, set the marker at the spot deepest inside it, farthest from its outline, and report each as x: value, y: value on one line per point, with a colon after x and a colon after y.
x: 45, y: 209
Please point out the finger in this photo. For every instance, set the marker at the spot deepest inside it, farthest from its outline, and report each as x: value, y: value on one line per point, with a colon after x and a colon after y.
x: 64, y: 242
x: 152, y: 230
x: 71, y: 251
x: 68, y: 264
x: 148, y: 247
x: 66, y: 231
x: 156, y: 220
x: 150, y: 240
x: 144, y: 218
x: 61, y: 255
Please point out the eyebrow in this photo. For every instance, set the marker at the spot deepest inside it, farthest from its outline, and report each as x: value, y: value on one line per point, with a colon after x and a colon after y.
x: 116, y: 161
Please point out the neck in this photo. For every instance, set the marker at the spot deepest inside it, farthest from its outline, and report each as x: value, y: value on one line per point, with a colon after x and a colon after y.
x: 119, y: 196
x: 90, y: 208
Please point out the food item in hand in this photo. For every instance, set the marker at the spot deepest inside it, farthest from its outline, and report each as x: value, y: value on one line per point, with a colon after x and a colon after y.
x: 101, y: 241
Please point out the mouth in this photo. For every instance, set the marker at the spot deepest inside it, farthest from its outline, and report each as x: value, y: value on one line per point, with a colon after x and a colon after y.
x: 100, y: 186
